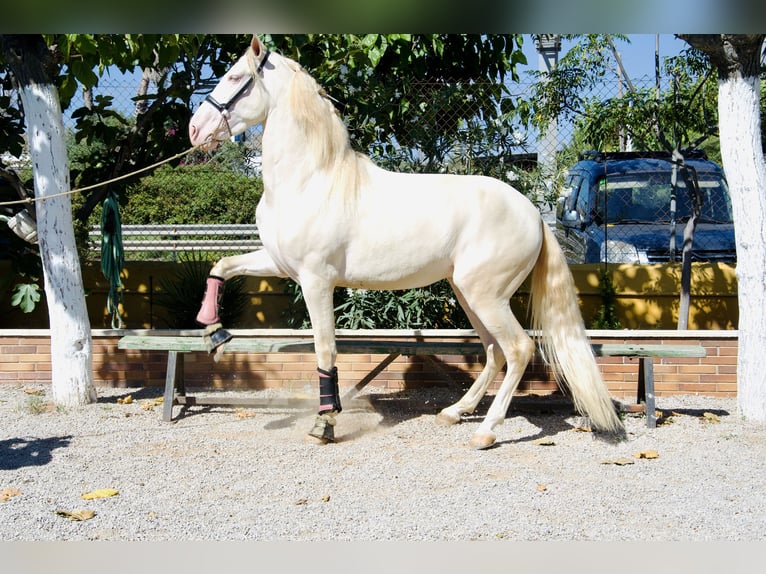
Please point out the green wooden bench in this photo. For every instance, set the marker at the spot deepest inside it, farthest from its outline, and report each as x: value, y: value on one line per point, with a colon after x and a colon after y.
x: 178, y: 345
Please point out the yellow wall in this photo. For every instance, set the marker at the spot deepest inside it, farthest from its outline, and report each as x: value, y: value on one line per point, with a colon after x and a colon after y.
x: 647, y: 297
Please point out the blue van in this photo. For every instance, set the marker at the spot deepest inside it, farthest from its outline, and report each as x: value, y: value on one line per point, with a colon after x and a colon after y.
x: 624, y: 208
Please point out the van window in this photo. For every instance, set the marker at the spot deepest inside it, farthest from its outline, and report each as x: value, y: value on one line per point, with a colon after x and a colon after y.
x: 647, y: 197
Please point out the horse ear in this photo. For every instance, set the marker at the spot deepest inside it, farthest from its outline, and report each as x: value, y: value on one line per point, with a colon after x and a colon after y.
x: 257, y: 46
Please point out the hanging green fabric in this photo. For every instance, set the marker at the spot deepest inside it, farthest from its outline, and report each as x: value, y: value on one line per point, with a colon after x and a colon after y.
x: 112, y: 256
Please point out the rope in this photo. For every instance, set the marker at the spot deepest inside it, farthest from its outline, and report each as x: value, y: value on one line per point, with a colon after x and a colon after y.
x: 112, y: 256
x: 96, y: 185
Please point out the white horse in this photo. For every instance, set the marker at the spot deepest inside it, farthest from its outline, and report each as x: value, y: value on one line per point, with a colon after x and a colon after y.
x: 329, y: 217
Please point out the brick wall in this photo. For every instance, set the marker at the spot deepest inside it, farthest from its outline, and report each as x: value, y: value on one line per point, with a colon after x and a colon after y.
x: 25, y: 358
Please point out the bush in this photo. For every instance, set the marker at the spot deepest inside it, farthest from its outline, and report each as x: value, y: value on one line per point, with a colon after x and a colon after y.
x: 432, y: 307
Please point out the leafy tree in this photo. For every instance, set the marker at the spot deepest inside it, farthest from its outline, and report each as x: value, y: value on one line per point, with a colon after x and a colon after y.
x: 440, y: 82
x: 681, y: 116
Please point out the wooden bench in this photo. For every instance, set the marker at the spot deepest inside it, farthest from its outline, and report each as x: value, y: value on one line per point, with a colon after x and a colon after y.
x: 178, y: 346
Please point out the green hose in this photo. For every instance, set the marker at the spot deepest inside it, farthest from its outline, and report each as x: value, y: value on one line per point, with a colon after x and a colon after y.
x: 112, y: 256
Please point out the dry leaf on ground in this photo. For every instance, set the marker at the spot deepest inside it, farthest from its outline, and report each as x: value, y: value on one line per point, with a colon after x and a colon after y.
x: 541, y: 488
x: 619, y: 461
x: 8, y: 493
x: 150, y: 404
x: 647, y: 454
x: 125, y: 400
x: 711, y: 418
x: 78, y: 515
x: 244, y: 413
x: 100, y: 493
x: 36, y: 392
x: 545, y: 442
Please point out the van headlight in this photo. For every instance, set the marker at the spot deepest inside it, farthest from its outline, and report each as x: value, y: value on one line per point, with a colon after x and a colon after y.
x: 615, y: 251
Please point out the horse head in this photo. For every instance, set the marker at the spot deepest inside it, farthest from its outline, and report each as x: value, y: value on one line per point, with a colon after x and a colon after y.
x: 241, y: 98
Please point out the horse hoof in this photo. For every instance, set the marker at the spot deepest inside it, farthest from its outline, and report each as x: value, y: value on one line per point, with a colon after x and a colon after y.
x: 316, y: 440
x: 482, y: 441
x: 447, y: 418
x: 323, y: 431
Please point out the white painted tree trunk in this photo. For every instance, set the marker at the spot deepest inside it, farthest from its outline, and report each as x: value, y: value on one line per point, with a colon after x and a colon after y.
x: 71, y: 343
x: 740, y: 132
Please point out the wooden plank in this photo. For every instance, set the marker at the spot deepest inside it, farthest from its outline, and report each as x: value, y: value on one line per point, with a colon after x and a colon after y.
x: 187, y: 344
x: 384, y: 347
x: 631, y: 350
x: 275, y: 403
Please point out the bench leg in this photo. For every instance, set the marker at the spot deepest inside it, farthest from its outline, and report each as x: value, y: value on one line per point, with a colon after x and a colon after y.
x: 369, y: 377
x: 173, y: 379
x: 646, y: 390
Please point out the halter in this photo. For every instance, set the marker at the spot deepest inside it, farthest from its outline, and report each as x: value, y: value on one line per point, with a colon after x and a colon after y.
x: 223, y: 107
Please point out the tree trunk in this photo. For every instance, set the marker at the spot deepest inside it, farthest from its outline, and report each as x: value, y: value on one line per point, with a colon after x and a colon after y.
x: 737, y: 59
x: 71, y: 342
x: 739, y: 113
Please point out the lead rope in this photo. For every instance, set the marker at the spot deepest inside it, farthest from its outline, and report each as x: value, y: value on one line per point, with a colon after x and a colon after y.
x: 112, y: 256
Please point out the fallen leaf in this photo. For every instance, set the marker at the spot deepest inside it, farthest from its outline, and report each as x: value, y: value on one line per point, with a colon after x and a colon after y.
x: 545, y: 442
x: 619, y: 461
x: 9, y: 493
x: 244, y: 413
x: 583, y: 429
x: 711, y: 418
x: 150, y: 404
x: 100, y: 493
x: 541, y: 488
x: 78, y: 515
x: 301, y: 501
x: 36, y: 392
x: 647, y: 454
x: 156, y: 401
x: 326, y: 498
x: 125, y: 400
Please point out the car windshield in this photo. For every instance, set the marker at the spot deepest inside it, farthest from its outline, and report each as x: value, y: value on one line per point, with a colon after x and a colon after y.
x: 645, y: 197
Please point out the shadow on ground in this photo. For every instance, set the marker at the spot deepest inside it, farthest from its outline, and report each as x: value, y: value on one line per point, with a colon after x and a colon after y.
x: 17, y: 453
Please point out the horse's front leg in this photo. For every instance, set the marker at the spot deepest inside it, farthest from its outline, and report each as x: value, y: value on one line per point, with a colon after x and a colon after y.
x: 257, y: 263
x: 318, y: 297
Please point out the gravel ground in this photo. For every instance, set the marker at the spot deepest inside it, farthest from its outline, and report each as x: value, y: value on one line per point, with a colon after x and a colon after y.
x: 393, y: 474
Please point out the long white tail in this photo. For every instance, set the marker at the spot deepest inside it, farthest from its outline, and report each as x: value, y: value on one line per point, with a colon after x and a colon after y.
x: 556, y: 316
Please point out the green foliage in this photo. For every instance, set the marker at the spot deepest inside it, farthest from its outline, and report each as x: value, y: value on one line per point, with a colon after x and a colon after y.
x: 432, y: 307
x: 181, y: 293
x: 606, y: 317
x: 25, y: 296
x: 441, y: 82
x: 206, y: 192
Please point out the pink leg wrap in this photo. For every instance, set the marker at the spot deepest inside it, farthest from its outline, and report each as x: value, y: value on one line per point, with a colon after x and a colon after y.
x: 208, y: 313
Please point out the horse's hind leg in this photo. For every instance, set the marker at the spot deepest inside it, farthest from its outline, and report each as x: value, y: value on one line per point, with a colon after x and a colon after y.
x: 495, y: 362
x: 510, y: 344
x: 518, y: 349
